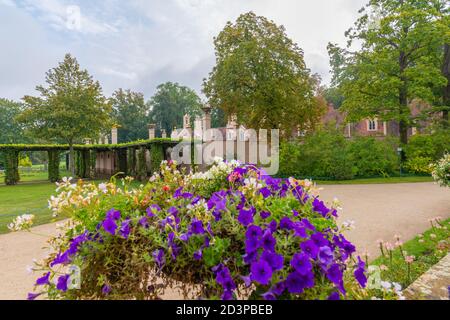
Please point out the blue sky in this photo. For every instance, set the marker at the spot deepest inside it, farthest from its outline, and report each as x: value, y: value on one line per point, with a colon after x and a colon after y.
x: 139, y: 44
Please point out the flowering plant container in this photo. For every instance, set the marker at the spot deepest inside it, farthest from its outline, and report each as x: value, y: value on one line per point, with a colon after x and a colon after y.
x: 232, y: 232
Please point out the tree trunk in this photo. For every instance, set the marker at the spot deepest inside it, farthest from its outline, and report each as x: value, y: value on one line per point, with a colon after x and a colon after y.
x: 71, y: 159
x: 403, y: 101
x: 446, y: 74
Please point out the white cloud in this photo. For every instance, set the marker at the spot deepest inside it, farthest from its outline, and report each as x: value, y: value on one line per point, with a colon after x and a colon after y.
x: 139, y: 44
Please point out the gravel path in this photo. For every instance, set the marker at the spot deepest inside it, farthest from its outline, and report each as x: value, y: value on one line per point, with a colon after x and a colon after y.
x: 379, y: 211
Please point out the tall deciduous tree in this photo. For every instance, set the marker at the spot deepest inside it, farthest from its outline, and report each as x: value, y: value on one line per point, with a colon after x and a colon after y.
x: 131, y: 113
x: 10, y: 130
x: 71, y: 107
x: 261, y: 77
x: 399, y: 60
x: 170, y: 103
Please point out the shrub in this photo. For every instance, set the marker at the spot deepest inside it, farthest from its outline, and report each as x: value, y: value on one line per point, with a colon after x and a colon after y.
x: 433, y: 145
x: 419, y: 165
x: 371, y: 157
x: 25, y: 161
x: 328, y: 155
x: 231, y: 232
x: 441, y: 171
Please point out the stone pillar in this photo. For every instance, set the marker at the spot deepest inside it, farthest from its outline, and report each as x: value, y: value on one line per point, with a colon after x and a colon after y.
x: 207, y: 117
x: 163, y: 133
x: 151, y: 131
x: 114, y: 135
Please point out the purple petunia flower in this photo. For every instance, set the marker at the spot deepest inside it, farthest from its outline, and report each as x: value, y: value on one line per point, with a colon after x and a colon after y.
x: 359, y: 273
x: 106, y: 289
x: 62, y: 282
x: 273, y: 226
x: 227, y: 295
x: 319, y: 239
x: 310, y: 248
x: 325, y: 256
x: 334, y: 296
x: 265, y: 192
x: 334, y: 274
x: 268, y: 241
x: 61, y: 258
x: 198, y: 254
x: 43, y: 280
x: 286, y: 223
x: 172, y: 211
x: 300, y: 230
x: 301, y: 263
x: 261, y: 272
x: 279, y: 288
x: 125, y: 229
x: 32, y: 296
x: 253, y: 232
x: 264, y: 214
x: 269, y: 295
x: 177, y: 192
x: 197, y: 227
x: 113, y: 214
x: 252, y: 245
x: 273, y: 259
x: 152, y: 209
x: 245, y: 217
x: 347, y: 248
x: 110, y: 226
x: 320, y: 207
x: 159, y: 257
x: 308, y: 225
x: 76, y: 242
x: 185, y: 236
x: 250, y: 256
x: 144, y: 222
x: 296, y: 282
x: 247, y: 280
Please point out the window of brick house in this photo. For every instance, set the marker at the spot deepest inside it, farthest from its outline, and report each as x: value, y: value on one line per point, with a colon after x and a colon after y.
x: 372, y: 125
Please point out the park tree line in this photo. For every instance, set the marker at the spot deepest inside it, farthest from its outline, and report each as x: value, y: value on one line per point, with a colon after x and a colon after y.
x: 261, y: 77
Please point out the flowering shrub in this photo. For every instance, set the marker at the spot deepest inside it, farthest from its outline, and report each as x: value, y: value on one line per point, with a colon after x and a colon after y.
x: 441, y: 171
x: 232, y: 232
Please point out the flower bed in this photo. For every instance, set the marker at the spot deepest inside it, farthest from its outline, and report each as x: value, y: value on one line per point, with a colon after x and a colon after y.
x: 232, y: 232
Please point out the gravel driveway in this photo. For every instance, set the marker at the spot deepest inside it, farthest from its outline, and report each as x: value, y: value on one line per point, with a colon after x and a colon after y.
x: 379, y: 211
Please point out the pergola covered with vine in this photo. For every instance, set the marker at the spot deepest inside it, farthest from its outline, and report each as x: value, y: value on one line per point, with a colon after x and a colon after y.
x: 139, y: 158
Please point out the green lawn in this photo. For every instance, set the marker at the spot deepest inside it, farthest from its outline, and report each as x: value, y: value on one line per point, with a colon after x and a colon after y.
x: 33, y: 175
x: 25, y: 198
x: 378, y: 180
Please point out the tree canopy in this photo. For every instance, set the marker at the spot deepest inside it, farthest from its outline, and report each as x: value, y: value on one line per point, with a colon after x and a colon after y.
x: 261, y: 77
x: 11, y: 130
x: 399, y: 60
x: 131, y: 113
x: 70, y: 108
x: 170, y: 103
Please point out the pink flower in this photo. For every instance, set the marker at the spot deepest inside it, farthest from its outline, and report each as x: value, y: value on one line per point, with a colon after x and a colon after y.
x: 409, y: 259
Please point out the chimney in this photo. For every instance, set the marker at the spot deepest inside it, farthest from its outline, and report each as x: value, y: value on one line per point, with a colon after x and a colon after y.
x: 114, y: 135
x: 207, y: 117
x: 151, y: 131
x: 186, y: 122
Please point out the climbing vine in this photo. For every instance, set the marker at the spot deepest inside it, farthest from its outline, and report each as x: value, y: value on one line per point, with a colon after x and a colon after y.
x: 11, y: 167
x: 156, y: 156
x: 131, y: 159
x: 53, y: 165
x: 142, y: 164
